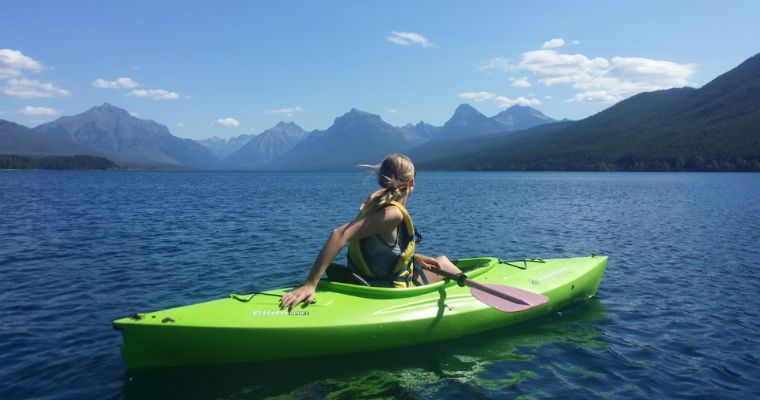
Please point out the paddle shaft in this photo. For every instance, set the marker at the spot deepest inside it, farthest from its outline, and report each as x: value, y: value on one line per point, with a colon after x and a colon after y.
x: 462, y: 280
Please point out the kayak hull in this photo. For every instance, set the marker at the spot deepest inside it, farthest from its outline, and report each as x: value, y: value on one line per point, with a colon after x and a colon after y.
x: 348, y: 318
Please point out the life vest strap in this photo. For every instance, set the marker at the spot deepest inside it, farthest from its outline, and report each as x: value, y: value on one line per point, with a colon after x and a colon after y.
x: 420, y: 271
x: 403, y: 267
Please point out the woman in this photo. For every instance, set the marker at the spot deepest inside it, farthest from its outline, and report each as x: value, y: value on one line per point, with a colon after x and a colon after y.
x: 381, y: 239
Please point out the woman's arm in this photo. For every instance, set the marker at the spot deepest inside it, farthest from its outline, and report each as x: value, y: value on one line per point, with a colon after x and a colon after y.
x: 426, y: 262
x: 383, y: 220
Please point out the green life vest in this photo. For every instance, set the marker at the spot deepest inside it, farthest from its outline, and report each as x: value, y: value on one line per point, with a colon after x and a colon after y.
x: 402, y: 274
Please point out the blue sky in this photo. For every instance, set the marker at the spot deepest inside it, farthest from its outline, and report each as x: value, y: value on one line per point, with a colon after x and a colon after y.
x: 228, y: 68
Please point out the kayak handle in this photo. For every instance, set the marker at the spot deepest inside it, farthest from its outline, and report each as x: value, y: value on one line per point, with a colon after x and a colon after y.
x: 525, y: 262
x: 244, y: 300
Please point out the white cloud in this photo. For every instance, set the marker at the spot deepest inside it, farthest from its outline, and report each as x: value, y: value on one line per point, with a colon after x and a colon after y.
x: 36, y: 111
x: 499, y: 101
x: 547, y: 97
x: 477, y: 96
x: 575, y: 42
x: 288, y: 111
x: 505, y: 102
x: 134, y: 114
x: 227, y: 122
x: 521, y: 83
x: 497, y: 63
x: 602, y: 80
x: 408, y: 38
x: 180, y: 124
x: 13, y: 63
x: 28, y: 88
x: 553, y: 44
x: 393, y: 111
x: 655, y: 72
x: 155, y: 94
x: 553, y: 68
x: 119, y: 83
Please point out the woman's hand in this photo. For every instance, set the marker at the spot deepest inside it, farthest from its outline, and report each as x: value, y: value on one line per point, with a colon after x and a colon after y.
x: 427, y: 262
x: 303, y: 294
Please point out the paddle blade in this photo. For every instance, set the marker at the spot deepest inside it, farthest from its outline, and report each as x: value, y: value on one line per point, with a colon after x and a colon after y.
x: 506, y: 298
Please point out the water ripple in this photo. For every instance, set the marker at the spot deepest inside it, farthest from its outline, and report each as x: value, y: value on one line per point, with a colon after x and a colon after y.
x: 676, y: 315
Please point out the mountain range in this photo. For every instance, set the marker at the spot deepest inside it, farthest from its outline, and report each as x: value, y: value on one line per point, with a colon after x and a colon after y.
x: 18, y: 139
x: 715, y: 127
x: 357, y: 137
x: 262, y: 149
x: 222, y: 148
x: 114, y: 133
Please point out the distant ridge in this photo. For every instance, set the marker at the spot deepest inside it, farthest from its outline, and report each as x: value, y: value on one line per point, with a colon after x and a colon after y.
x: 467, y: 121
x: 714, y: 128
x: 222, y: 148
x: 357, y: 137
x: 267, y: 146
x: 112, y: 131
x: 20, y: 140
x: 517, y: 118
x: 420, y: 133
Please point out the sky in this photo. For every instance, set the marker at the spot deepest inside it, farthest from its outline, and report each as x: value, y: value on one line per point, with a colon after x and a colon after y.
x: 227, y: 68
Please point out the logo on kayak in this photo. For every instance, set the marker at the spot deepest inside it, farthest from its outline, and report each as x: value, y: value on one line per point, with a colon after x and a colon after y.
x: 278, y: 313
x: 548, y: 276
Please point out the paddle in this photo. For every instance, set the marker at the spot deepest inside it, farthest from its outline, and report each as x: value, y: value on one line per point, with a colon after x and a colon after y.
x: 503, y: 298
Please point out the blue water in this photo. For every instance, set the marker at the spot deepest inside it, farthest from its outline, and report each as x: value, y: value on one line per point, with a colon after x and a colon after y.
x: 677, y: 314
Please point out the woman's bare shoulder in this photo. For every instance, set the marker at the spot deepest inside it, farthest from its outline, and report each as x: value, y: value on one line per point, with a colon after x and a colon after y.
x: 389, y: 213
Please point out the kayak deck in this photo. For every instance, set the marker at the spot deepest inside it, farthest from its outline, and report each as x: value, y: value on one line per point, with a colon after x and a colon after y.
x: 348, y: 318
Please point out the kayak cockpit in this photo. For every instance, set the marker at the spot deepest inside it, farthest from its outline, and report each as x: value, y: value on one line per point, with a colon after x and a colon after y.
x: 473, y: 267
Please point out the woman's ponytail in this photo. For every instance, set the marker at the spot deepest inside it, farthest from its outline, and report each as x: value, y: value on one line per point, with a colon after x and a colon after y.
x: 394, y: 175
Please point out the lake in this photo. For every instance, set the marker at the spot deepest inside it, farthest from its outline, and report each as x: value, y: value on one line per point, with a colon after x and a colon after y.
x: 677, y: 314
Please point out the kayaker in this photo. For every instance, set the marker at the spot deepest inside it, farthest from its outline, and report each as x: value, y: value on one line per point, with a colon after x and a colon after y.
x: 381, y: 240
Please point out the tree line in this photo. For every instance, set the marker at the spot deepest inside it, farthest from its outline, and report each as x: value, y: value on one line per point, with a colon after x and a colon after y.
x: 14, y: 161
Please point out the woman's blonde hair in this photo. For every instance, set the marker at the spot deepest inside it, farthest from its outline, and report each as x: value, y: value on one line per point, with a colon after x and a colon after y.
x: 394, y: 175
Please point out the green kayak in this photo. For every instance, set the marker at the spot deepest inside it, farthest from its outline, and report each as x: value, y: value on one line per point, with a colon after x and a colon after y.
x: 348, y: 318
